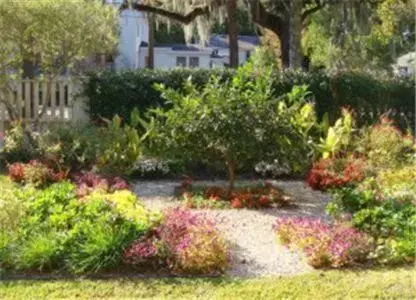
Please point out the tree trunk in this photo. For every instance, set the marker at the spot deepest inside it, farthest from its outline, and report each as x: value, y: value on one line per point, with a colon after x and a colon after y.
x: 284, y: 37
x: 231, y: 175
x: 29, y: 69
x: 151, y: 45
x: 232, y: 32
x: 295, y: 30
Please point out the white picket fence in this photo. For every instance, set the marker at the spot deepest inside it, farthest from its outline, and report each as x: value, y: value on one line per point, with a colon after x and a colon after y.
x: 29, y: 97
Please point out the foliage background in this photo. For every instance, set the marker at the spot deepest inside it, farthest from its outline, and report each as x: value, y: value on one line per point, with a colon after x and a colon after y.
x: 111, y: 93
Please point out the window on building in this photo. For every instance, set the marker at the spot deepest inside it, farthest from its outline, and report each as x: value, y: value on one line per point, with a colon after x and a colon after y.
x: 181, y: 61
x: 248, y: 54
x: 194, y: 62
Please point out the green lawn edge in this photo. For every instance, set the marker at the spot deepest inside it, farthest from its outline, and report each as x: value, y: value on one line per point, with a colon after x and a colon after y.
x: 381, y: 283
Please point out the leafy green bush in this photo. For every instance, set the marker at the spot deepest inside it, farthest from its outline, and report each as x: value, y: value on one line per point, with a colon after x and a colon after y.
x: 390, y: 218
x: 111, y: 93
x: 99, y: 246
x: 80, y: 235
x: 69, y: 147
x: 386, y: 146
x: 40, y: 251
x: 237, y: 123
x: 19, y: 146
x: 120, y: 147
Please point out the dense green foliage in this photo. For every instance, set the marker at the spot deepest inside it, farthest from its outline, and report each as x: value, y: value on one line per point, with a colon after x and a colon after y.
x: 111, y: 93
x: 60, y: 228
x: 383, y: 204
x: 55, y: 230
x: 237, y: 123
x: 113, y: 148
x: 361, y: 35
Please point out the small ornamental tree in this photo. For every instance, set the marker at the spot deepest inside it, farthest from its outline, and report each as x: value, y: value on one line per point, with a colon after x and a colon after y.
x: 237, y: 123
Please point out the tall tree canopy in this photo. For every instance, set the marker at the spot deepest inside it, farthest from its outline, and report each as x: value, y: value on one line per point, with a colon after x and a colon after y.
x: 283, y: 17
x: 352, y: 34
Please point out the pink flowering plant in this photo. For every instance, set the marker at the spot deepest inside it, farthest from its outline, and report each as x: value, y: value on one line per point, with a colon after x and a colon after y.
x: 185, y: 242
x: 324, y: 245
x: 87, y: 182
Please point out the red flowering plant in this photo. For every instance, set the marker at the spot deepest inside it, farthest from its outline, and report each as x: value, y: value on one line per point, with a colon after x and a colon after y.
x: 185, y: 242
x: 261, y: 196
x: 35, y: 173
x: 336, y: 172
x: 324, y: 245
x: 17, y: 172
x: 87, y: 182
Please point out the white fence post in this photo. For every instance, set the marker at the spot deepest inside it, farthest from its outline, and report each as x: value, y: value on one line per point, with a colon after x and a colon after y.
x: 29, y: 97
x: 79, y: 114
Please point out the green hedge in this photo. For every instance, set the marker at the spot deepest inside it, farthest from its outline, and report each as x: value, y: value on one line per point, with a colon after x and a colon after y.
x: 112, y: 93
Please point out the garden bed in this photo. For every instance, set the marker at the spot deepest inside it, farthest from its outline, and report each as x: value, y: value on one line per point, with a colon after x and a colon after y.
x: 256, y: 196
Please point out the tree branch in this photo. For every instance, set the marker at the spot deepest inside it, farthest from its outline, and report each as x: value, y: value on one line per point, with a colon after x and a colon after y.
x: 185, y: 19
x: 308, y: 12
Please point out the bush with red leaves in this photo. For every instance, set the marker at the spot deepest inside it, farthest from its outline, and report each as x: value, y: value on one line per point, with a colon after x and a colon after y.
x: 88, y: 181
x: 336, y: 172
x: 241, y: 197
x: 17, y: 172
x: 35, y: 173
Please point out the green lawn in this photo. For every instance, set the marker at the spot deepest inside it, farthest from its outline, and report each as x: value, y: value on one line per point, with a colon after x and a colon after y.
x: 370, y: 284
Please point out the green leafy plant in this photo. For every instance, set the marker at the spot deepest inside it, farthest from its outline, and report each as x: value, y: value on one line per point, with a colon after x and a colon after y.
x: 100, y: 246
x: 110, y: 93
x: 386, y: 146
x: 338, y: 137
x: 41, y: 251
x: 18, y: 145
x: 121, y: 145
x: 237, y: 123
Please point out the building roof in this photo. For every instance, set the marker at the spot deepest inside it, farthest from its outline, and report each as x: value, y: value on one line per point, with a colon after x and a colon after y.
x: 174, y: 47
x: 246, y: 42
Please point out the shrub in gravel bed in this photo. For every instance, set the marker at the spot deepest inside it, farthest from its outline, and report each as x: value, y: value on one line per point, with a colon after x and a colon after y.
x: 324, y: 245
x: 186, y: 242
x: 261, y: 196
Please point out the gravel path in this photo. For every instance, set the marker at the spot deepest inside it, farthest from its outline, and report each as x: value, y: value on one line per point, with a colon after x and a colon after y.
x: 255, y: 250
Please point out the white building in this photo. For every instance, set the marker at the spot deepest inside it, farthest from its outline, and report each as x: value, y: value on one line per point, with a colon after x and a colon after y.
x: 134, y: 38
x: 405, y: 64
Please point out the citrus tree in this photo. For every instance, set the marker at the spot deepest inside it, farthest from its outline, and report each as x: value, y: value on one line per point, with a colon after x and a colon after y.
x: 237, y: 123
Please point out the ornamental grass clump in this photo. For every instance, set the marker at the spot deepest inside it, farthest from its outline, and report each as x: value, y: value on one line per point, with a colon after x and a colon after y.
x: 185, y: 242
x: 324, y: 245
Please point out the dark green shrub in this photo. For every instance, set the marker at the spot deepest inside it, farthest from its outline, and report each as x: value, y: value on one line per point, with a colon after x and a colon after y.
x: 113, y: 93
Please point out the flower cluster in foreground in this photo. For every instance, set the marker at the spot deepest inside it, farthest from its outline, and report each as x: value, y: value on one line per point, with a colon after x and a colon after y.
x: 324, y: 245
x: 186, y: 242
